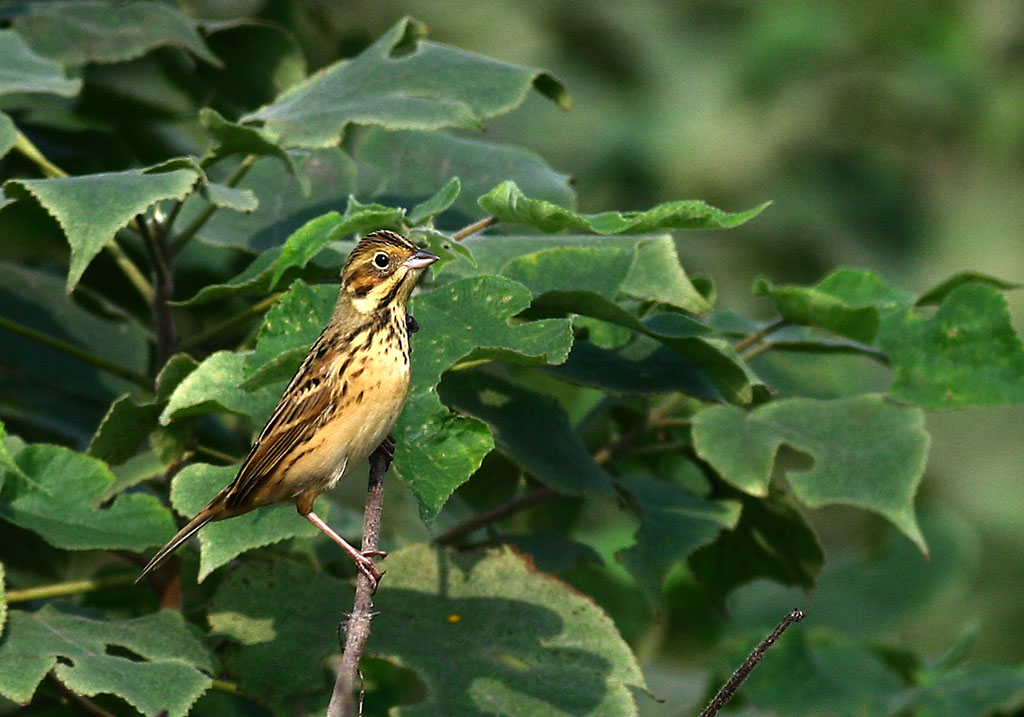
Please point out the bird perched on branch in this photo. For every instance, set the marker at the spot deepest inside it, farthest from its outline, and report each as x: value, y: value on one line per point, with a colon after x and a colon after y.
x: 342, y: 401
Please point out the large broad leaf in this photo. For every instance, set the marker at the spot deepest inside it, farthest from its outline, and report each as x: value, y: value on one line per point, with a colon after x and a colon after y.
x: 231, y: 138
x: 531, y: 429
x: 411, y: 165
x: 215, y: 386
x: 63, y: 503
x: 965, y: 353
x: 968, y: 691
x: 772, y: 540
x: 22, y: 70
x: 165, y: 670
x: 91, y: 208
x: 437, y: 451
x: 80, y: 32
x: 223, y: 541
x: 488, y: 634
x: 8, y: 135
x: 430, y: 87
x: 255, y: 607
x: 674, y: 523
x: 287, y: 199
x: 509, y: 204
x: 868, y: 451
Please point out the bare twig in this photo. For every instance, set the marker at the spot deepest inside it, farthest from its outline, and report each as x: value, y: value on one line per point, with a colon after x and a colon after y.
x: 761, y: 333
x: 357, y: 627
x: 204, y: 216
x: 474, y: 228
x: 744, y: 670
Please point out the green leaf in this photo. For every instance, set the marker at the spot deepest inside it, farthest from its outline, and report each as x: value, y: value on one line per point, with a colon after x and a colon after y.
x: 123, y: 428
x: 969, y: 691
x: 644, y: 367
x: 938, y: 294
x: 304, y: 244
x: 231, y: 138
x: 290, y: 328
x: 868, y: 452
x: 772, y: 540
x: 254, y: 280
x: 64, y: 504
x: 287, y: 199
x: 531, y: 429
x: 8, y: 134
x: 412, y: 165
x: 91, y: 208
x: 437, y: 451
x: 813, y: 307
x: 7, y: 462
x: 255, y: 607
x: 85, y: 31
x: 215, y: 387
x: 838, y: 679
x: 496, y: 637
x: 674, y: 523
x: 22, y: 70
x: 3, y: 600
x: 430, y: 86
x: 169, y: 668
x: 225, y: 197
x: 965, y: 353
x: 361, y: 217
x: 430, y: 208
x: 510, y: 205
x: 223, y: 541
x: 37, y: 300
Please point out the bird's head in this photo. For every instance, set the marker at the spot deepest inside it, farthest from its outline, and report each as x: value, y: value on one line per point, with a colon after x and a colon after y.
x: 382, y: 270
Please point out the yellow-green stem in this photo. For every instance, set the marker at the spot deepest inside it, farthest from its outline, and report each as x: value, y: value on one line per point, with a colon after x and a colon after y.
x: 73, y: 587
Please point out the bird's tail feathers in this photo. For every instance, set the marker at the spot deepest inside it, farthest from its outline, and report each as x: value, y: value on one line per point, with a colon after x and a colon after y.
x: 204, y: 517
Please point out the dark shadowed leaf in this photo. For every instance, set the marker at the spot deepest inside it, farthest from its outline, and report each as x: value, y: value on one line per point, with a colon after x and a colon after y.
x: 22, y: 70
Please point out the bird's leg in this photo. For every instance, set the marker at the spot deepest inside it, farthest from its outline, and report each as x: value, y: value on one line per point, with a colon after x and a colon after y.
x: 363, y: 560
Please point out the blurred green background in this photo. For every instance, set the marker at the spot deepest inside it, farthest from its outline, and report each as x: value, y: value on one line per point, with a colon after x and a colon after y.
x: 890, y: 135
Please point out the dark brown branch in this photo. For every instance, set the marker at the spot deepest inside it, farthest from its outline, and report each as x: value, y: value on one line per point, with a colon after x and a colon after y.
x: 162, y: 261
x: 744, y: 670
x: 357, y: 627
x: 760, y: 334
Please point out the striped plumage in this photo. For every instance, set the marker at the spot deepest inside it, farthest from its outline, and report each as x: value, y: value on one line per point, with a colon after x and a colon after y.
x: 342, y: 401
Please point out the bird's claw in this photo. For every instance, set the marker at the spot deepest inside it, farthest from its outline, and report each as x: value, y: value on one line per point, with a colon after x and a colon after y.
x: 366, y: 566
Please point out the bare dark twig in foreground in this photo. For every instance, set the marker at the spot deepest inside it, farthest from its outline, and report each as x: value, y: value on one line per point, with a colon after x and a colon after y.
x: 357, y: 627
x: 744, y: 670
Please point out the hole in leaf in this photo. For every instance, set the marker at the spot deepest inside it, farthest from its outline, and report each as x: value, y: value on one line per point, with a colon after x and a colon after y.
x: 791, y: 459
x: 121, y: 651
x: 389, y: 685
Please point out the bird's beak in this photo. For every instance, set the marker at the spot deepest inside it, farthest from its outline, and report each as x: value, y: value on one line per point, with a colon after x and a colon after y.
x: 420, y: 260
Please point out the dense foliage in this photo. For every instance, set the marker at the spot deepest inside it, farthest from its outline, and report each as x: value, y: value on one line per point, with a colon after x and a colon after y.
x: 179, y: 197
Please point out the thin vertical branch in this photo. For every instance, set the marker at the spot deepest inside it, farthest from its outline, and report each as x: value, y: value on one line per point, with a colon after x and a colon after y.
x: 753, y: 659
x: 357, y: 627
x: 162, y: 260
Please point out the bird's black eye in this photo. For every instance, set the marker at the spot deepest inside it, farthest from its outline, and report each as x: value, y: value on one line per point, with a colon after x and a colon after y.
x: 381, y: 260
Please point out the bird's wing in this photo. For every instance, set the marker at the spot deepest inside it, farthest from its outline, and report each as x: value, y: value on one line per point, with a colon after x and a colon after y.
x: 304, y: 407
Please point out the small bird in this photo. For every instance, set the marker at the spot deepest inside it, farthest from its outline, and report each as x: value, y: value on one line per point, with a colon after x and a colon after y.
x: 341, y: 403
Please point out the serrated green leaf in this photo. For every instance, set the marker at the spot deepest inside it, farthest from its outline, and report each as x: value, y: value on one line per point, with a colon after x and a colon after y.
x: 938, y: 293
x: 214, y: 387
x: 433, y: 206
x: 22, y: 70
x: 287, y: 200
x: 86, y: 31
x: 255, y: 607
x: 412, y: 165
x: 7, y: 462
x: 552, y: 552
x: 509, y: 204
x: 63, y: 504
x: 254, y: 280
x: 531, y: 429
x: 225, y: 197
x: 968, y: 691
x: 495, y: 636
x: 644, y: 367
x: 436, y: 451
x: 772, y: 540
x: 231, y: 138
x: 307, y: 241
x: 441, y: 245
x: 291, y: 326
x: 812, y: 306
x: 8, y: 134
x: 867, y: 451
x: 966, y: 353
x: 361, y: 217
x: 222, y: 542
x: 91, y: 208
x: 126, y: 423
x: 429, y: 87
x: 674, y: 523
x: 172, y: 673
